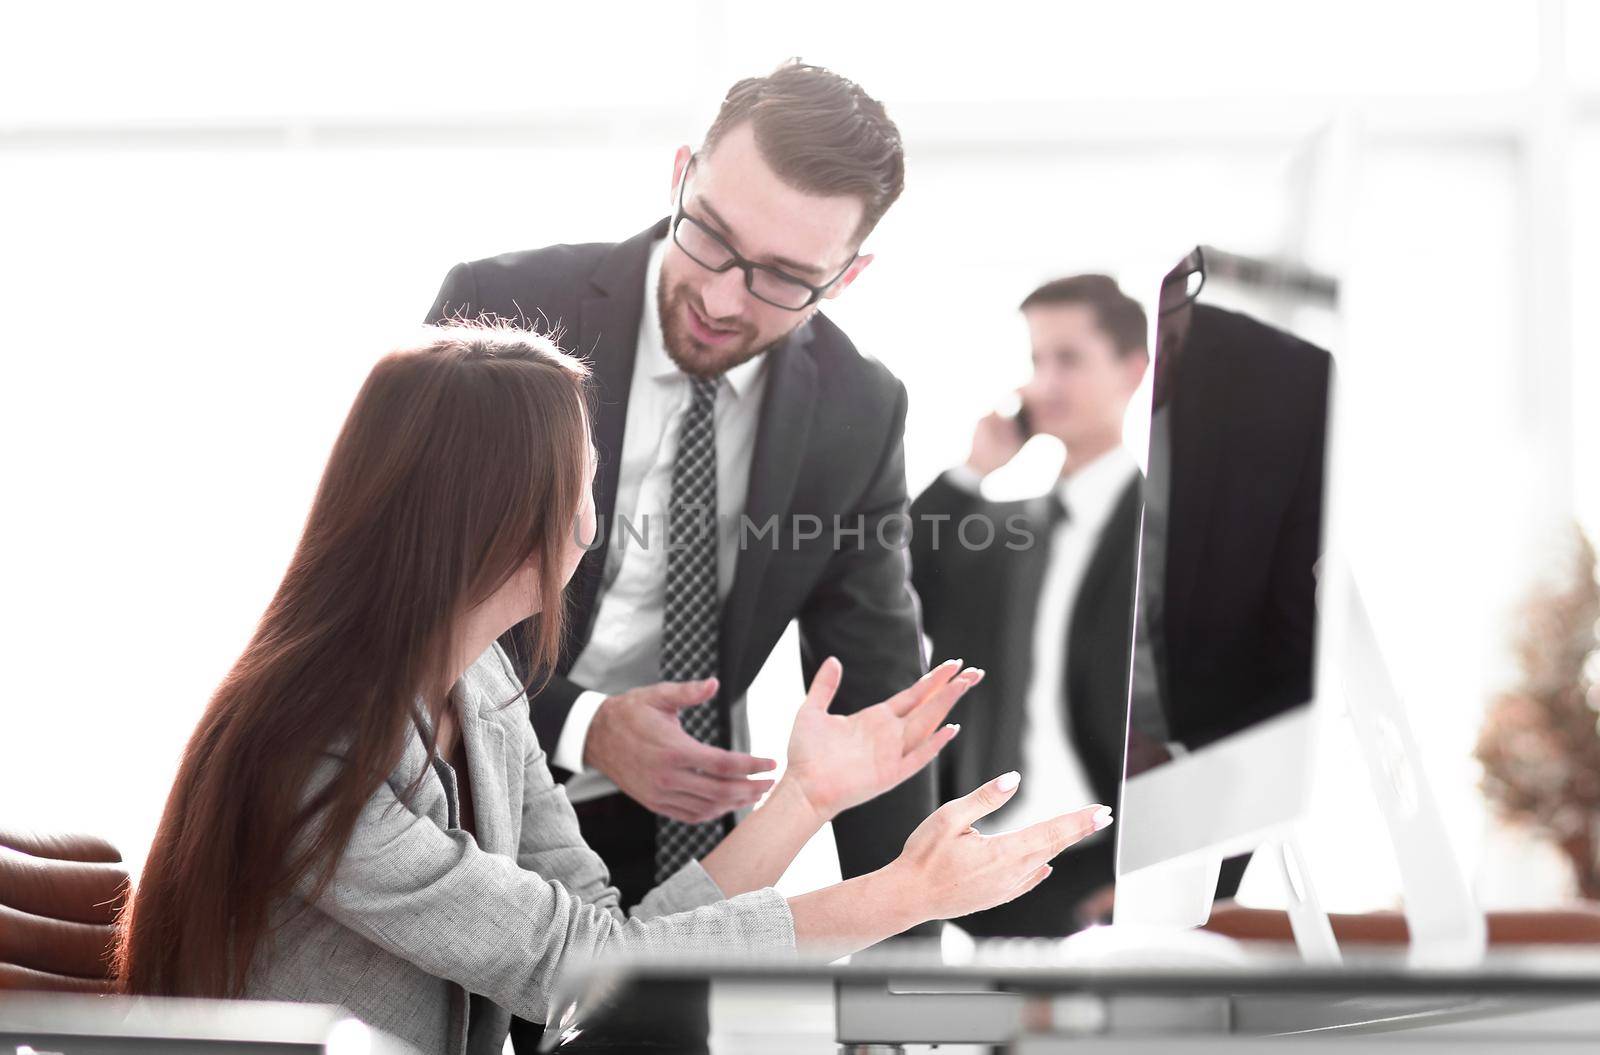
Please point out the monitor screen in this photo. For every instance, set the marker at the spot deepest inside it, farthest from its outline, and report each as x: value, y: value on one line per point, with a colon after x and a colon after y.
x: 1225, y: 614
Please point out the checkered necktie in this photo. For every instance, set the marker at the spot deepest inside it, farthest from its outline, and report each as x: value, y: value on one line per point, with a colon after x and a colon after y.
x: 690, y: 619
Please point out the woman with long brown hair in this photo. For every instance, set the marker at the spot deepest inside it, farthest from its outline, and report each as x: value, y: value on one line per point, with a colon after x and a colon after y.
x: 364, y: 816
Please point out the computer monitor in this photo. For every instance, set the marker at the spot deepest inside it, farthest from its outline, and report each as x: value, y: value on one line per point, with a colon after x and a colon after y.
x: 1246, y: 621
x: 1220, y: 713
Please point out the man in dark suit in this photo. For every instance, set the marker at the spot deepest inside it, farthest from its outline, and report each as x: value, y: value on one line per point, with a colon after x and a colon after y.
x: 719, y: 388
x: 1040, y: 592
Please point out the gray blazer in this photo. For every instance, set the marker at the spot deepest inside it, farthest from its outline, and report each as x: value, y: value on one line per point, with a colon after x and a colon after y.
x: 421, y: 917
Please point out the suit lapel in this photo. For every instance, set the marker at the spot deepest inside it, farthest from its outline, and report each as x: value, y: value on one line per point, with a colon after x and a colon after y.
x: 487, y: 766
x: 1024, y: 578
x: 1117, y: 538
x: 1089, y: 626
x: 787, y: 409
x: 608, y: 337
x: 1093, y: 639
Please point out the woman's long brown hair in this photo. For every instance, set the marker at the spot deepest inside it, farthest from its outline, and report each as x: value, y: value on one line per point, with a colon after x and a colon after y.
x: 461, y: 460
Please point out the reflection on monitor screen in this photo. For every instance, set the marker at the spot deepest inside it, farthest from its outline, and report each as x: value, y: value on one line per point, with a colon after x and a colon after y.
x: 1226, y: 609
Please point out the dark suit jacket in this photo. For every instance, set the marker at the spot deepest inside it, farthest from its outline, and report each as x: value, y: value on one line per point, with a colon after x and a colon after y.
x: 829, y: 444
x: 979, y: 604
x: 1249, y: 409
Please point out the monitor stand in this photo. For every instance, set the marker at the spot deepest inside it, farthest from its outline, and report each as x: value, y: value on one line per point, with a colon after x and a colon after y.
x: 1447, y: 927
x: 1313, y: 933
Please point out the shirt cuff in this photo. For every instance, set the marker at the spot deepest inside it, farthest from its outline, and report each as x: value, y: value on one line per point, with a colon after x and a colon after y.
x: 575, y: 731
x: 965, y: 478
x: 688, y: 888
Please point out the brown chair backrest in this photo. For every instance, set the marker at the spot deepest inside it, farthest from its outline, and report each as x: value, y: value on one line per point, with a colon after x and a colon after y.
x: 59, y: 899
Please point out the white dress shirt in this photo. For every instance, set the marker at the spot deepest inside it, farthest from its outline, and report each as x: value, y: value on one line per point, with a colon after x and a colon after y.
x: 1053, y: 777
x: 624, y: 650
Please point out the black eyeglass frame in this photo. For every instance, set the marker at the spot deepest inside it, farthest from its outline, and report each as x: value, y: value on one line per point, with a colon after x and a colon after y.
x: 749, y: 267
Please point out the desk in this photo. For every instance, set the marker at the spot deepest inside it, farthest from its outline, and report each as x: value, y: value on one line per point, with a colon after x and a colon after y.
x: 80, y: 1024
x: 897, y: 1002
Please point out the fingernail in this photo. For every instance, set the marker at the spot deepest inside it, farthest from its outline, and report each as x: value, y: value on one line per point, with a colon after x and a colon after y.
x: 1008, y: 781
x: 954, y: 727
x: 1102, y: 818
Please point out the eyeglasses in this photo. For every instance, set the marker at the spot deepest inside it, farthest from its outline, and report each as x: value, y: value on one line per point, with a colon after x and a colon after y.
x: 767, y: 284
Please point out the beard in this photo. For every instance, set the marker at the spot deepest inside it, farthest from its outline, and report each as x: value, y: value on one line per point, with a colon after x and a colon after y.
x: 698, y: 359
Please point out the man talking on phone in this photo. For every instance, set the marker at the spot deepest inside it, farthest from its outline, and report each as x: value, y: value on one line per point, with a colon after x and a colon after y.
x: 1048, y: 611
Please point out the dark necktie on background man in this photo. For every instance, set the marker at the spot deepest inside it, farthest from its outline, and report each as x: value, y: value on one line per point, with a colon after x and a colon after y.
x: 1045, y: 514
x: 1056, y: 512
x: 690, y: 618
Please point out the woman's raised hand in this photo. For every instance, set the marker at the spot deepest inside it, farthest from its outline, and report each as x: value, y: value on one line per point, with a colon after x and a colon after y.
x: 948, y: 868
x: 843, y: 760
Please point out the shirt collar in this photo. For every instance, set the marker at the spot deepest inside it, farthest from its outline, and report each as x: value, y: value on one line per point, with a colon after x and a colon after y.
x: 1091, y: 490
x: 652, y: 352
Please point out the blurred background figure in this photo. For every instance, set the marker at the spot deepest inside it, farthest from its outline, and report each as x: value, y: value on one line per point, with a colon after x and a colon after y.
x: 1039, y: 592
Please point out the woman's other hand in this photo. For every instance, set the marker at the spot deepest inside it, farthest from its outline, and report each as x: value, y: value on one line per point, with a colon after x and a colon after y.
x: 949, y: 868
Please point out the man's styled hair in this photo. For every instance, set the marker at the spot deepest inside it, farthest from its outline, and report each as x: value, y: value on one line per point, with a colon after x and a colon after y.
x: 1118, y: 314
x: 821, y: 134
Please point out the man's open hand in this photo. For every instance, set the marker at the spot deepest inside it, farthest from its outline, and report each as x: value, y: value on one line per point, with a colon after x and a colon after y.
x: 638, y: 742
